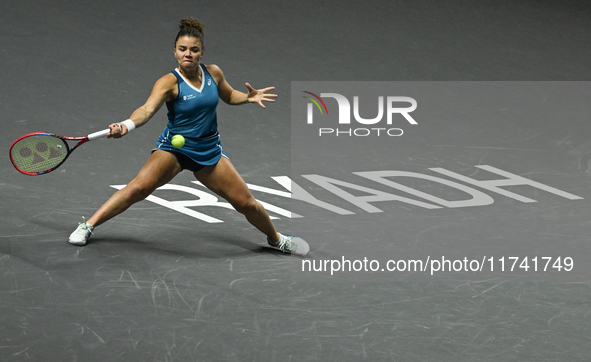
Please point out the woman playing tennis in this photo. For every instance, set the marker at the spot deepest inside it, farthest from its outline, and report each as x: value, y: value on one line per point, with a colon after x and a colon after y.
x: 191, y: 93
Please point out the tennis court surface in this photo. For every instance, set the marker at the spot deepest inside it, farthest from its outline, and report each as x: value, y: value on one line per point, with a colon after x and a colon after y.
x: 494, y: 179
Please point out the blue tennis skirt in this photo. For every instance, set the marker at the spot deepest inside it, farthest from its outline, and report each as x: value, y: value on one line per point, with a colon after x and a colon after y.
x: 205, y: 151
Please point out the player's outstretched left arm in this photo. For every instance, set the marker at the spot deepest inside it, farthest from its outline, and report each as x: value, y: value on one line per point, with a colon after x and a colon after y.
x: 234, y: 97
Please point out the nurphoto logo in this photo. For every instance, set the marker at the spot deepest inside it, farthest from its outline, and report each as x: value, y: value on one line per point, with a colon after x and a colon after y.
x: 394, y: 105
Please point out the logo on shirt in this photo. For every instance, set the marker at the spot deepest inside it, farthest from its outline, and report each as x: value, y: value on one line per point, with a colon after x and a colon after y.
x: 189, y: 97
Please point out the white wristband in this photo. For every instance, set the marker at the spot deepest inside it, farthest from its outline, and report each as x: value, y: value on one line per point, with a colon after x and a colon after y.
x: 129, y: 124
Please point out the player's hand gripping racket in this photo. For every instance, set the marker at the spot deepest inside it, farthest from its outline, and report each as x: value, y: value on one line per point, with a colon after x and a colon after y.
x: 40, y: 152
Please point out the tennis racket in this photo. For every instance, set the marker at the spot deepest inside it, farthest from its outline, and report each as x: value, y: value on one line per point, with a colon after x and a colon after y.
x: 39, y: 153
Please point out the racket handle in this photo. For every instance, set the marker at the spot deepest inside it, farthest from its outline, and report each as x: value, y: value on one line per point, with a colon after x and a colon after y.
x: 98, y: 134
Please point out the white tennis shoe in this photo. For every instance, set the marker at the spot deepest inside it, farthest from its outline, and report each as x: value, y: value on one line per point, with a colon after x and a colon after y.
x: 82, y: 233
x: 291, y: 244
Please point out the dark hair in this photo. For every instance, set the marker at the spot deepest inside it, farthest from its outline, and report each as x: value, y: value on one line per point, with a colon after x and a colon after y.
x: 190, y: 27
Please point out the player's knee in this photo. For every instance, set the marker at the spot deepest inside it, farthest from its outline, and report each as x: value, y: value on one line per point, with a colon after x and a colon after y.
x: 136, y: 191
x: 246, y: 206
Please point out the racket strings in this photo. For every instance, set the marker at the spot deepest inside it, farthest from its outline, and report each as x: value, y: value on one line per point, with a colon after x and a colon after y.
x: 38, y: 153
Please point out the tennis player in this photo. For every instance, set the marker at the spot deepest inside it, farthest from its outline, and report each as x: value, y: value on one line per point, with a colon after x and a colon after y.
x: 191, y: 93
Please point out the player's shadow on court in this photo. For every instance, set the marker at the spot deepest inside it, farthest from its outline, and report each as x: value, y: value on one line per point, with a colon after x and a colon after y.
x: 206, y: 248
x: 221, y: 250
x: 202, y: 245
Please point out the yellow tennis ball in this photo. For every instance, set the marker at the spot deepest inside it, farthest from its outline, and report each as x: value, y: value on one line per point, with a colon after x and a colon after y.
x: 178, y: 141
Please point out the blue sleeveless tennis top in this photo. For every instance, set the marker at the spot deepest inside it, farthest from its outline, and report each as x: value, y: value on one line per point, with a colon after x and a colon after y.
x: 193, y: 115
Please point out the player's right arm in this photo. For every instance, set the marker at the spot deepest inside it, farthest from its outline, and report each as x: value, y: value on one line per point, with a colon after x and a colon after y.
x: 165, y: 90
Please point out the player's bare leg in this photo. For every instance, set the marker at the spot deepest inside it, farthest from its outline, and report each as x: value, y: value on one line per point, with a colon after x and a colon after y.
x: 160, y: 168
x: 223, y: 179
